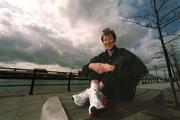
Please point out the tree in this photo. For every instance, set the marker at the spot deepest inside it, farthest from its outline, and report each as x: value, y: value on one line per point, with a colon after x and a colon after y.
x: 174, y: 53
x: 160, y: 15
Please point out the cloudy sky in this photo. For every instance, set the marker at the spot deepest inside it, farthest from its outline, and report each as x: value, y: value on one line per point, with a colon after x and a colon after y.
x: 64, y: 34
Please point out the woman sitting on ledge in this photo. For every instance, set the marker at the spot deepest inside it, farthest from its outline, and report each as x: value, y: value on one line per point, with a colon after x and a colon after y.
x: 114, y: 75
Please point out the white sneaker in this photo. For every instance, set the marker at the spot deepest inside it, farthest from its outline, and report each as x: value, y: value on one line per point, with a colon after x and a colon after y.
x: 82, y: 98
x: 95, y: 103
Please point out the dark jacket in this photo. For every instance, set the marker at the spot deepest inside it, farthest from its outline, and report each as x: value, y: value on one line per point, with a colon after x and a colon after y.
x: 121, y: 83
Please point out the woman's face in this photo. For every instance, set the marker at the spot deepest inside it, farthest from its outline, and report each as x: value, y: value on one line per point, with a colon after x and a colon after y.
x: 108, y: 42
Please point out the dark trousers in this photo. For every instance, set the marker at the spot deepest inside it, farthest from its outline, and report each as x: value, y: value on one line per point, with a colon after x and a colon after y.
x: 114, y: 91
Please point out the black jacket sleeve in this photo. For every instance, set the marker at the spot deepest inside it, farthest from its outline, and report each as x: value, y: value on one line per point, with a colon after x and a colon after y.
x: 124, y: 59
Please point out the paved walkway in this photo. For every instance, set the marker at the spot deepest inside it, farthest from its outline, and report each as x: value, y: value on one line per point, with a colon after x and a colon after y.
x: 29, y: 107
x: 159, y: 86
x: 24, y: 108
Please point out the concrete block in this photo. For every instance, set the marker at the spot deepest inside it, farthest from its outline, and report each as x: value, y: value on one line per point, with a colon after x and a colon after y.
x: 53, y: 110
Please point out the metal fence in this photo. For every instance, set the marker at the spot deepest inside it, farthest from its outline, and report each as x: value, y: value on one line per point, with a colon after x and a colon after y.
x: 34, y: 75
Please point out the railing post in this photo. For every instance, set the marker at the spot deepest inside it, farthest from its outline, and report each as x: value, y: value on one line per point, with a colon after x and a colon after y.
x: 32, y: 83
x: 69, y: 82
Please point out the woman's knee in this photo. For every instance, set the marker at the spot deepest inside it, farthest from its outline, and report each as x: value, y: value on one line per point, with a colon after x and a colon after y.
x: 94, y: 76
x: 101, y: 85
x: 95, y: 81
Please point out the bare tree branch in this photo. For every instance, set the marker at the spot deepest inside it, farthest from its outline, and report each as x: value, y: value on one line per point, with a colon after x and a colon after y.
x: 147, y: 25
x: 162, y: 4
x: 170, y: 22
x: 166, y: 15
x: 144, y: 17
x: 152, y: 5
x: 171, y: 34
x: 173, y: 39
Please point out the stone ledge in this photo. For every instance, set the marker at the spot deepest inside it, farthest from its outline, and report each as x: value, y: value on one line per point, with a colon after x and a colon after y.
x: 146, y: 101
x: 53, y: 110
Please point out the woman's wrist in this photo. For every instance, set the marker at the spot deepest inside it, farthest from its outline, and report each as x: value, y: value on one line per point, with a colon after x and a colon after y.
x: 90, y: 66
x: 112, y: 68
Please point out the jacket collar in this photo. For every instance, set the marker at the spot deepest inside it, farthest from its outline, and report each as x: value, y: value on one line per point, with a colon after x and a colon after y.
x: 114, y: 50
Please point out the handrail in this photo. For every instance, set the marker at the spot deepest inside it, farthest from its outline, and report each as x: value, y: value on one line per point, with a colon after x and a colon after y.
x: 38, y: 74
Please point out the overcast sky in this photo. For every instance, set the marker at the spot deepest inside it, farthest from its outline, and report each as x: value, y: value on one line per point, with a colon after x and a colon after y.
x: 64, y: 34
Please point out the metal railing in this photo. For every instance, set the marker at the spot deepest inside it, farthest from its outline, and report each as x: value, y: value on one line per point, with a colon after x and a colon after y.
x: 42, y: 74
x: 38, y: 74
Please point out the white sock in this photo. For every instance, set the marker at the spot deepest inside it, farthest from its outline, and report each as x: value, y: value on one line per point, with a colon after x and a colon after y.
x: 94, y: 86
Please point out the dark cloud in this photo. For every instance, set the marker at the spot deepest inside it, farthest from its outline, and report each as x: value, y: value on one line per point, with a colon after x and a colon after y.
x: 20, y: 48
x: 42, y: 30
x: 68, y: 34
x: 5, y: 23
x: 96, y: 11
x: 36, y: 43
x: 133, y: 34
x: 12, y: 48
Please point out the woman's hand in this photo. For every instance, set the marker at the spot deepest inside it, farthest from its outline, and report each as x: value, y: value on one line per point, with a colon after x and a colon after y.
x: 108, y: 67
x: 97, y: 67
x: 101, y: 67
